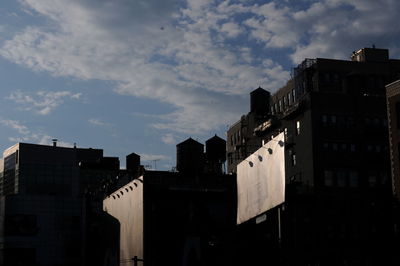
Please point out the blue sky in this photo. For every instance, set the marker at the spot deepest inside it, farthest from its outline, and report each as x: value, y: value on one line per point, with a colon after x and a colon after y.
x: 143, y: 75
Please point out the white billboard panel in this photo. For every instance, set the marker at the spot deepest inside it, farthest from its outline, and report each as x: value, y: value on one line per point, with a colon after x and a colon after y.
x: 261, y: 180
x: 126, y: 204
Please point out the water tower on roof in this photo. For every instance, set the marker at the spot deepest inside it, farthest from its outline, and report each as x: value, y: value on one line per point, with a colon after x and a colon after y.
x: 215, y: 154
x: 259, y: 101
x: 190, y: 156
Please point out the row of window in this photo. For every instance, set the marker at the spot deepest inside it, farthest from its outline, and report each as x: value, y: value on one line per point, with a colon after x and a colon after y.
x: 351, y: 147
x: 235, y: 138
x: 286, y: 101
x: 349, y: 178
x: 330, y: 120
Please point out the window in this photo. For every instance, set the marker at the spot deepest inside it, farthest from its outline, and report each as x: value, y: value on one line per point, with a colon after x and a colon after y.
x: 328, y: 178
x: 294, y: 95
x: 298, y: 128
x: 341, y: 178
x: 294, y: 160
x: 20, y: 225
x: 353, y: 179
x: 343, y: 146
x: 378, y: 148
x: 334, y: 146
x: 333, y: 119
x: 372, y: 180
x: 325, y: 145
x: 352, y: 147
x: 324, y: 120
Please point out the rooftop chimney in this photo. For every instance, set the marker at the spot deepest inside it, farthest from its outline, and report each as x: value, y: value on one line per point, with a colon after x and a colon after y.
x: 54, y: 142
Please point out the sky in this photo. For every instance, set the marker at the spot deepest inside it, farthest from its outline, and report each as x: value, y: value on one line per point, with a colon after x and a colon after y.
x: 143, y: 75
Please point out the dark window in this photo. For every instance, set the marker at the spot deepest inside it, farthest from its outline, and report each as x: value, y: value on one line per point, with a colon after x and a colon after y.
x: 353, y: 179
x: 20, y: 225
x: 328, y: 178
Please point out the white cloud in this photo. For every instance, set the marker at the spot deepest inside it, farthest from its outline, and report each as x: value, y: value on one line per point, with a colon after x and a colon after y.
x: 16, y: 125
x: 185, y: 64
x: 153, y: 157
x: 231, y: 29
x: 168, y: 139
x: 26, y: 135
x: 43, y: 102
x: 98, y: 122
x: 182, y: 52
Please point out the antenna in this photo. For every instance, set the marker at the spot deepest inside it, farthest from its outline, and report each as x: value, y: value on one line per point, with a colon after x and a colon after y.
x: 155, y: 163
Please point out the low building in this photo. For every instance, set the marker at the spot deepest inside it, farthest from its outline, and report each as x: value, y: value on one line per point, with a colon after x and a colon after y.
x: 46, y: 214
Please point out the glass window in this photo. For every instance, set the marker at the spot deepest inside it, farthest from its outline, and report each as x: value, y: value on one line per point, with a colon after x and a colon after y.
x: 324, y: 119
x: 333, y: 119
x: 298, y: 128
x: 341, y: 178
x: 378, y: 148
x: 294, y: 160
x: 372, y: 180
x: 353, y: 179
x: 334, y: 146
x: 352, y: 147
x: 325, y: 145
x: 328, y: 178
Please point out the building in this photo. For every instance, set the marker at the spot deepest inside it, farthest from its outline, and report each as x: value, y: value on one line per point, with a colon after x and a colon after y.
x: 241, y: 139
x: 180, y: 218
x: 393, y: 107
x: 49, y: 209
x: 338, y: 208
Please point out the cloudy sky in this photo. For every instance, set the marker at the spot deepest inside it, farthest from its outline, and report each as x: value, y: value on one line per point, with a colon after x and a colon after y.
x: 142, y: 75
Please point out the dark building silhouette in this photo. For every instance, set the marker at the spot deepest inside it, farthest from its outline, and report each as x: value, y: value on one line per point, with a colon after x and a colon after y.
x: 215, y: 154
x: 241, y: 141
x: 338, y: 208
x: 50, y: 212
x: 179, y: 218
x: 393, y: 107
x: 190, y: 156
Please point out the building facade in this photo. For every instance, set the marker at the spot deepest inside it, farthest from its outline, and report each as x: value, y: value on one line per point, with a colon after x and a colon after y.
x: 45, y: 214
x: 393, y: 107
x: 338, y: 193
x: 241, y: 141
x: 179, y: 218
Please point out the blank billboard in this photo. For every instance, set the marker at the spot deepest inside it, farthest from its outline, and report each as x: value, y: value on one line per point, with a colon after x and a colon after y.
x: 261, y: 180
x: 126, y: 204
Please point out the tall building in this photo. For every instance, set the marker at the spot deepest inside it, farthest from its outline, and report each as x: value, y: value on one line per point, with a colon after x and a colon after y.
x: 338, y: 208
x: 45, y: 214
x: 393, y: 107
